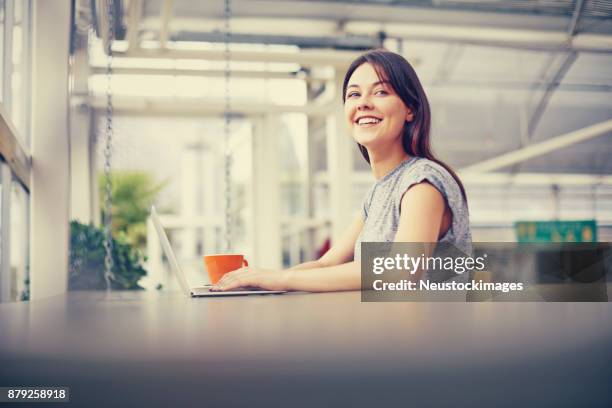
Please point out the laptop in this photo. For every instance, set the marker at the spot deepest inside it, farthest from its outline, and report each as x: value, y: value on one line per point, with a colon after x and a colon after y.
x: 176, y: 268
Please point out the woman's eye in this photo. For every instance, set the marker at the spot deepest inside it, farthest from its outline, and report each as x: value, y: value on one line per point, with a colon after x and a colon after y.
x: 351, y: 94
x: 380, y: 92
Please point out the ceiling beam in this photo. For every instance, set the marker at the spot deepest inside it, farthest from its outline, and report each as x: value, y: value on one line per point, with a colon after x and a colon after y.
x: 302, y: 57
x: 209, y: 73
x: 539, y: 179
x: 339, y: 42
x: 537, y: 40
x: 429, y: 83
x: 573, y: 26
x: 557, y: 78
x: 379, y: 10
x: 534, y: 38
x: 541, y: 148
x: 499, y: 179
x: 170, y: 107
x: 553, y: 84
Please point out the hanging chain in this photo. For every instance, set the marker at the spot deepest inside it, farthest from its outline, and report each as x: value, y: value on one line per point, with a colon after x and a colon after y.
x: 108, y: 220
x: 226, y: 130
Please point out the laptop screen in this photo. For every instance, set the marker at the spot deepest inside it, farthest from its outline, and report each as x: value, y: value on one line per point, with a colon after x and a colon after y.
x: 174, y: 265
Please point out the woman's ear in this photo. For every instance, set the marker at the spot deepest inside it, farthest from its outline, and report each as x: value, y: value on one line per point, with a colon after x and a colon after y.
x: 409, y: 115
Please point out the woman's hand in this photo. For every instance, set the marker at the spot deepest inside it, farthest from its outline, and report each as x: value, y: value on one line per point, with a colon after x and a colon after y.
x: 253, y: 277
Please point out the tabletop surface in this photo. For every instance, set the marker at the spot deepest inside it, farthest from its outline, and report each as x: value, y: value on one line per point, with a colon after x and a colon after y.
x: 331, y: 342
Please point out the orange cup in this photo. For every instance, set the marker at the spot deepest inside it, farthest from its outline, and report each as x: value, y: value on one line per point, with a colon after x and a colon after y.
x: 219, y: 265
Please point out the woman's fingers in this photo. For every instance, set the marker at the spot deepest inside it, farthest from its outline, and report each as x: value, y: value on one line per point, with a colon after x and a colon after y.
x: 232, y: 280
x: 253, y: 277
x: 233, y: 284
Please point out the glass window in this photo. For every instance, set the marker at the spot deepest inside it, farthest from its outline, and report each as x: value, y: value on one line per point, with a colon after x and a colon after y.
x: 17, y: 95
x: 19, y: 237
x: 1, y: 48
x: 293, y: 151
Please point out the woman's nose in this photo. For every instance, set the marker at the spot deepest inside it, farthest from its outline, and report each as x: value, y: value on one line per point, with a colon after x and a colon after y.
x: 364, y: 104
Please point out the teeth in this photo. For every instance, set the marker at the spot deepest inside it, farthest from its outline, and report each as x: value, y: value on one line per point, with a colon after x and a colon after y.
x: 365, y: 121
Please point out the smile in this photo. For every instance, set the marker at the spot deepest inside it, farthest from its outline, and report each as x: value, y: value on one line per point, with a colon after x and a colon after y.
x: 368, y: 121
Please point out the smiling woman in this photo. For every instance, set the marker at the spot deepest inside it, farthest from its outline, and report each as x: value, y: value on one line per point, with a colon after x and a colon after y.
x: 416, y: 197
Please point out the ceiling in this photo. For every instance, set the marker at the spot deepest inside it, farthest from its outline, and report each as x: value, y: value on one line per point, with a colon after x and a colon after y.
x: 500, y: 75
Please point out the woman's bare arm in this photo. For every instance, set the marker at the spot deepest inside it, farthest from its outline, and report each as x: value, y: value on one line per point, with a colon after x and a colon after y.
x: 341, y: 251
x: 346, y: 276
x: 334, y: 271
x: 421, y: 215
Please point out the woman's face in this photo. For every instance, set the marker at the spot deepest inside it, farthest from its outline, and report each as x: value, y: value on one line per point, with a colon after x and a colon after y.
x: 375, y: 113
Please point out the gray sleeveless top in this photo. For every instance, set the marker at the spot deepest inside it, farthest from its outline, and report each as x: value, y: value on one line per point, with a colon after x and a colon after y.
x: 381, y: 207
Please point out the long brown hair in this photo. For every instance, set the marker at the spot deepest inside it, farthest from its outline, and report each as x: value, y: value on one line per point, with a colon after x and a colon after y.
x: 403, y: 79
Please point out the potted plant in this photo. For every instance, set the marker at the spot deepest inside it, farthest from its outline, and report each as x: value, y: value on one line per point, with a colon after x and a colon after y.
x: 87, y: 255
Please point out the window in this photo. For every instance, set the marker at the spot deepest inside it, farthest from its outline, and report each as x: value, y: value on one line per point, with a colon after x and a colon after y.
x: 14, y: 158
x: 19, y: 238
x: 4, y: 239
x: 17, y: 96
x: 2, y: 49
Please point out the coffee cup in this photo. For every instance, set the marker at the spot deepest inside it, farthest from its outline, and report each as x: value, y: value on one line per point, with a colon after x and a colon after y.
x: 219, y: 265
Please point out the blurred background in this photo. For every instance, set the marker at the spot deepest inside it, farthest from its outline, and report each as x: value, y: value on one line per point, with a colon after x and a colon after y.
x: 521, y: 106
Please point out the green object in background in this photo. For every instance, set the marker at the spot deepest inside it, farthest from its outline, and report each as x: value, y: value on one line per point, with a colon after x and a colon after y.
x: 87, y: 260
x: 132, y: 194
x: 556, y: 231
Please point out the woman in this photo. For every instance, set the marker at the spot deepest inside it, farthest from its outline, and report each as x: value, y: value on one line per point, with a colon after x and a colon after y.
x: 416, y: 198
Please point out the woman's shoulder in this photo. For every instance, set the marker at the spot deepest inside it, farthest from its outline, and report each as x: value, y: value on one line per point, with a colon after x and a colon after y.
x: 421, y: 169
